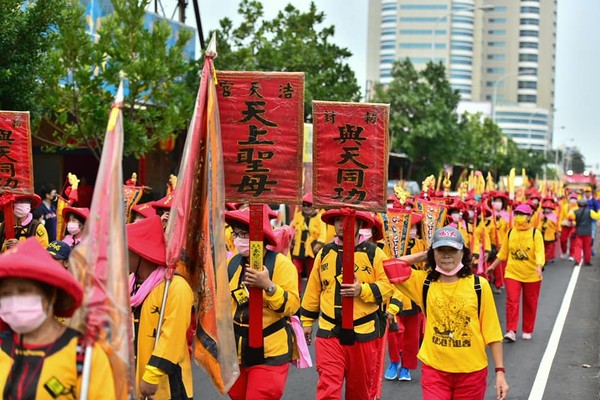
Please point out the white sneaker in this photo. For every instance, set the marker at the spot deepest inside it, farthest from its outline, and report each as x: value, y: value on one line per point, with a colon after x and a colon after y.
x: 526, y: 336
x: 571, y: 259
x: 510, y: 337
x: 563, y: 256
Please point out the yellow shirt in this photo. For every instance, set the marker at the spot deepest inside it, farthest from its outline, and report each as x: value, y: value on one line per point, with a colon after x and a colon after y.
x: 523, y: 252
x: 455, y: 335
x: 58, y: 369
x: 322, y: 299
x: 313, y: 232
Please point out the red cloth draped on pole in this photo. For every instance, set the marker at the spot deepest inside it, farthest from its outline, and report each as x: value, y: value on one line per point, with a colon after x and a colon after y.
x: 99, y: 262
x: 195, y: 239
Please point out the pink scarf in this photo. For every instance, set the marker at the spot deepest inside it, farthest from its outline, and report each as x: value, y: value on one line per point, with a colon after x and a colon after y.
x: 71, y: 241
x: 155, y: 279
x: 27, y: 219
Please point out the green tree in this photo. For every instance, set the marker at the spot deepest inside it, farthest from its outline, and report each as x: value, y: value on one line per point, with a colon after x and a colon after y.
x: 25, y: 35
x: 82, y: 75
x: 294, y: 42
x: 423, y: 119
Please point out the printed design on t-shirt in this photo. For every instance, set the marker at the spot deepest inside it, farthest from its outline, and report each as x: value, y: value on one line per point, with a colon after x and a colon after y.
x: 520, y: 254
x: 57, y: 389
x: 450, y: 322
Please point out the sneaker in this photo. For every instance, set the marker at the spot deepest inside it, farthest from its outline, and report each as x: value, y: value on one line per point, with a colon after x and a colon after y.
x: 563, y: 256
x: 496, y: 290
x: 571, y: 259
x: 404, y: 374
x: 588, y: 264
x: 510, y: 337
x: 392, y: 371
x: 526, y: 336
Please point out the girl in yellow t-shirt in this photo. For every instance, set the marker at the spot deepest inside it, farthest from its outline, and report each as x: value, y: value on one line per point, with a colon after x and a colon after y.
x: 461, y: 319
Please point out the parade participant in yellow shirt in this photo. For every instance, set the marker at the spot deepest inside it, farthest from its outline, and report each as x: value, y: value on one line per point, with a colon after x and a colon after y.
x: 311, y: 235
x: 461, y: 320
x: 337, y: 362
x: 567, y: 227
x: 263, y: 377
x: 550, y: 229
x: 523, y: 249
x: 163, y: 366
x: 39, y: 357
x: 25, y: 225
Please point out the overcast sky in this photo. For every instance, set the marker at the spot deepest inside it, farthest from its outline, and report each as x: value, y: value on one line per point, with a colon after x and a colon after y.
x: 577, y: 92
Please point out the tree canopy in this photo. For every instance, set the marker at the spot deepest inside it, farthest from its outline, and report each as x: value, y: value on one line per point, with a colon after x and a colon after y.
x: 293, y: 41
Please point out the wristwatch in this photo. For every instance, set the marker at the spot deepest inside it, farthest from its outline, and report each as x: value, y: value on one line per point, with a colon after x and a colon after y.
x: 271, y: 289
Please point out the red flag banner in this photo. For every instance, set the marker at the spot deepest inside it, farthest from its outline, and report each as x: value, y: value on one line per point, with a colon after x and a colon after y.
x: 350, y: 155
x: 196, y: 245
x: 262, y: 120
x: 16, y: 170
x: 397, y: 230
x: 100, y: 261
x: 434, y: 215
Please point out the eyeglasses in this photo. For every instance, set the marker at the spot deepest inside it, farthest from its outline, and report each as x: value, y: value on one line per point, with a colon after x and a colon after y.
x: 306, y: 205
x: 240, y: 234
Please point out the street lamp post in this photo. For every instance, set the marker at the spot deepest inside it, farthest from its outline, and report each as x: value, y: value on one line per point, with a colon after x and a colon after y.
x: 485, y: 7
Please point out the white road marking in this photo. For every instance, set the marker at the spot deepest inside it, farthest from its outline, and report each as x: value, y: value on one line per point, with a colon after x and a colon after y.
x: 539, y: 385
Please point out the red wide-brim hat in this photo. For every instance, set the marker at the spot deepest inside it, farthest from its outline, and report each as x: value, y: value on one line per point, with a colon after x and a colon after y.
x: 243, y: 217
x: 415, y: 218
x: 165, y: 202
x: 83, y: 212
x: 329, y: 216
x: 29, y: 260
x: 34, y: 199
x: 548, y: 204
x: 145, y: 210
x: 308, y: 198
x: 378, y: 225
x: 146, y: 238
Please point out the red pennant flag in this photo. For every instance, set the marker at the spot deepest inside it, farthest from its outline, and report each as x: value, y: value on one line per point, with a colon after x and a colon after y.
x: 195, y: 241
x: 100, y: 260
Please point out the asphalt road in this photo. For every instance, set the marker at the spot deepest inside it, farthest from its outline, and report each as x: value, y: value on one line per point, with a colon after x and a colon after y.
x: 575, y: 369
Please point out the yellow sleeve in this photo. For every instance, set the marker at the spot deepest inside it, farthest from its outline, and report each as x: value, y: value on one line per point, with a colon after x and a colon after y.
x: 177, y: 317
x: 490, y: 324
x: 503, y: 253
x: 312, y: 294
x: 286, y: 299
x: 413, y: 286
x: 42, y: 235
x: 540, y: 256
x: 381, y: 282
x: 595, y: 214
x: 102, y: 379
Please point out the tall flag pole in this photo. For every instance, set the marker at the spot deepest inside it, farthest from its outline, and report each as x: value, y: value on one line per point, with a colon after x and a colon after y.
x: 99, y: 263
x: 195, y: 240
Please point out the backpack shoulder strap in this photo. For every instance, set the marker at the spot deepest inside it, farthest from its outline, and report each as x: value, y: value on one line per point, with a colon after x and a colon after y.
x: 426, y: 285
x: 234, y: 264
x: 477, y: 285
x: 32, y: 229
x: 326, y: 249
x: 269, y: 261
x: 369, y: 248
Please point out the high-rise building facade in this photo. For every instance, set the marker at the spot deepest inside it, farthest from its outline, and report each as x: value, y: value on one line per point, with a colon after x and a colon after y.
x: 500, y: 51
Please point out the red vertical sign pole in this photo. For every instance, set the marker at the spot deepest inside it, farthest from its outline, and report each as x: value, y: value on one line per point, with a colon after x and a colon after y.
x: 347, y: 333
x: 9, y: 220
x: 255, y: 337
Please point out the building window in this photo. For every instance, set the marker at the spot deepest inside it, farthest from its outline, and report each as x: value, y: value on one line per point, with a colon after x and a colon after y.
x: 427, y: 32
x: 528, y: 10
x: 496, y: 57
x: 462, y: 31
x: 528, y: 45
x: 388, y: 44
x: 455, y: 75
x: 528, y: 71
x: 494, y: 84
x: 388, y: 18
x: 389, y: 7
x: 421, y: 45
x: 528, y: 57
x: 425, y: 60
x: 462, y: 20
x: 499, y: 8
x: 495, y: 70
x: 497, y: 20
x: 387, y: 60
x: 388, y: 31
x: 496, y: 44
x: 527, y: 98
x: 423, y: 7
x: 497, y: 32
x: 421, y: 19
x: 527, y: 85
x: 529, y: 33
x: 530, y: 21
x: 460, y: 62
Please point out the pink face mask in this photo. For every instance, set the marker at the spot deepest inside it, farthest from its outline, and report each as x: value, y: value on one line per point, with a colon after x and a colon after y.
x: 242, y: 246
x: 23, y: 313
x: 497, y: 205
x: 449, y: 273
x: 21, y: 209
x: 73, y: 228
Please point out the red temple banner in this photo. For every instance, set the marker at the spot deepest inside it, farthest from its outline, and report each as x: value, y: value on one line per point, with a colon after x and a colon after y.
x: 262, y: 125
x: 16, y: 168
x: 434, y: 215
x: 350, y: 155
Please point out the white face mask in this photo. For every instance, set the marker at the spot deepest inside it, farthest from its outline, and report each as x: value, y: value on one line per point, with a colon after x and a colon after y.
x: 366, y: 233
x: 242, y: 246
x: 21, y: 209
x: 497, y: 205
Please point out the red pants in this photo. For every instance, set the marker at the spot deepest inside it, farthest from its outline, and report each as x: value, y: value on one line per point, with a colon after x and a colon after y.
x: 355, y: 364
x: 499, y: 275
x: 263, y: 382
x: 531, y: 293
x: 406, y: 340
x: 439, y: 385
x: 565, y: 235
x: 550, y: 251
x: 301, y: 264
x: 583, y: 243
